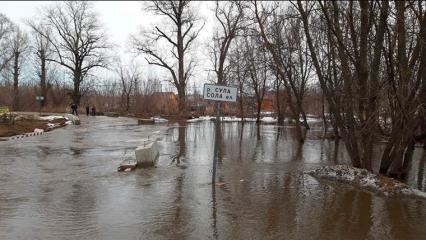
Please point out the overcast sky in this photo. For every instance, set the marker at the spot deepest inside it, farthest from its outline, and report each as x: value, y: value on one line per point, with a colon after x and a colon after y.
x: 122, y: 18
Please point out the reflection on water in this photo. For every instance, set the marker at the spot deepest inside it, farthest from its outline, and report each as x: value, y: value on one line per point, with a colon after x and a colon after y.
x: 65, y: 185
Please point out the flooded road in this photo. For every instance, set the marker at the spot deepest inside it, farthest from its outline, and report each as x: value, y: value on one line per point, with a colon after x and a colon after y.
x: 64, y: 185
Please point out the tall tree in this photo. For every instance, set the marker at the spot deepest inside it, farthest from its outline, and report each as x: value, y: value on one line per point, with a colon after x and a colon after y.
x: 6, y: 30
x: 258, y: 67
x: 42, y: 49
x: 281, y: 36
x: 238, y: 72
x: 180, y: 35
x: 77, y: 39
x: 230, y: 18
x: 129, y: 76
x: 19, y: 46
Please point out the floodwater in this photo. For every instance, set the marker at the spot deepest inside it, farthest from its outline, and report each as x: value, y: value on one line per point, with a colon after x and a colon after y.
x: 64, y: 185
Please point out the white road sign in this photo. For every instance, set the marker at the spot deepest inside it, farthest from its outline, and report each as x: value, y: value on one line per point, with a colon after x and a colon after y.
x: 220, y: 93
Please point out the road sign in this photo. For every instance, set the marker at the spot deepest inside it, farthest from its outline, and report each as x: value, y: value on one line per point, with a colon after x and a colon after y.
x: 220, y: 93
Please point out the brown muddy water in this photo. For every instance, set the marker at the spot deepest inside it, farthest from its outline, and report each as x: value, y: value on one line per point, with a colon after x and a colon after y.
x: 64, y: 185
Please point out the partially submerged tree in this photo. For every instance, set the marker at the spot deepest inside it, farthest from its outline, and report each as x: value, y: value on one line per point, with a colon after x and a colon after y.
x: 238, y: 73
x: 356, y: 121
x: 281, y: 36
x: 77, y: 39
x: 179, y: 34
x: 377, y: 50
x: 258, y: 67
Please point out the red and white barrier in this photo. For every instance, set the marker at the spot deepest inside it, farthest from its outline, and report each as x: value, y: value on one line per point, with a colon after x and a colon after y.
x: 37, y: 132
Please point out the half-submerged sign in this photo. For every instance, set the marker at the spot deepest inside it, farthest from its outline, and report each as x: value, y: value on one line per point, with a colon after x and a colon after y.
x: 220, y: 93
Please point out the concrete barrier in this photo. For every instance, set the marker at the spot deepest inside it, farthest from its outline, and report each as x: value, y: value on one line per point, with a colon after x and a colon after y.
x: 111, y: 114
x: 74, y: 119
x: 147, y: 154
x: 142, y: 121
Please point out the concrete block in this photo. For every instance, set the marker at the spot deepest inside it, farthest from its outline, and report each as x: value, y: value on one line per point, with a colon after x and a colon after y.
x: 145, y: 121
x: 74, y: 119
x: 111, y: 114
x: 147, y: 154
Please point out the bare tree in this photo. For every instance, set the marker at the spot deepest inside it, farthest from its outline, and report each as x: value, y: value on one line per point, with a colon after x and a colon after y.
x: 376, y: 48
x: 77, y: 39
x: 182, y: 33
x: 230, y: 17
x: 19, y: 46
x: 42, y: 49
x: 258, y: 70
x: 238, y: 72
x: 6, y: 29
x: 129, y: 76
x: 282, y: 38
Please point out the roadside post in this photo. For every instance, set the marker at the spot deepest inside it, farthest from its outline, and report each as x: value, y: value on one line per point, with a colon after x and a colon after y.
x: 39, y: 99
x: 218, y: 93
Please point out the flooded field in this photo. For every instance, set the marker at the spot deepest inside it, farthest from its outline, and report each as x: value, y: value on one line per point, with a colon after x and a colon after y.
x: 64, y: 185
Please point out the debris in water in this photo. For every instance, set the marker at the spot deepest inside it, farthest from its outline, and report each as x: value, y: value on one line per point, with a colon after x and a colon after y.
x: 366, y: 180
x: 127, y: 165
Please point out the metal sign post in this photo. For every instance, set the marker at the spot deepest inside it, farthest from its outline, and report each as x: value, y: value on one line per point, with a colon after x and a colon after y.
x: 216, y: 139
x: 219, y: 94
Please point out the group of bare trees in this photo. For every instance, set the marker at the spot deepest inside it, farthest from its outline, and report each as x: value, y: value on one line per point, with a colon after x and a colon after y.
x: 367, y: 56
x: 13, y: 44
x: 378, y: 56
x: 369, y: 59
x: 67, y: 34
x: 72, y: 34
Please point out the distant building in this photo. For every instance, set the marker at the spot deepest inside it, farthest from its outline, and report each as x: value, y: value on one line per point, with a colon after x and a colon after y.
x: 268, y: 102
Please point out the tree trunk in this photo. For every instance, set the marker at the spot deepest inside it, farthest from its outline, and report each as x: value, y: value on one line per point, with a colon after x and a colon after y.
x: 280, y: 117
x: 127, y: 102
x: 43, y: 86
x: 182, y: 102
x: 305, y: 121
x: 15, y: 103
x: 241, y: 105
x: 296, y: 117
x: 76, y: 91
x: 259, y: 107
x: 324, y: 118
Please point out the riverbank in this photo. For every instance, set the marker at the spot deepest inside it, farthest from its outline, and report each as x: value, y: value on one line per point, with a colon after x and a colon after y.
x: 366, y: 180
x: 25, y: 123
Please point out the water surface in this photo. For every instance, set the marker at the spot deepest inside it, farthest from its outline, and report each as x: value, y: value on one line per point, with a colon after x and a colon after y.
x: 64, y: 185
